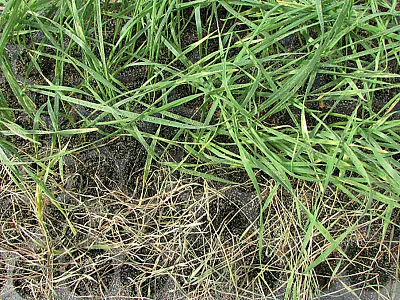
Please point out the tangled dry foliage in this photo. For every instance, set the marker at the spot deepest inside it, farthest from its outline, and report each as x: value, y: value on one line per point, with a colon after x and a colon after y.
x: 180, y: 239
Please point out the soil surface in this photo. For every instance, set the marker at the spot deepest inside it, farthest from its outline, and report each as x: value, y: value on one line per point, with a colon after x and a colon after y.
x: 104, y: 180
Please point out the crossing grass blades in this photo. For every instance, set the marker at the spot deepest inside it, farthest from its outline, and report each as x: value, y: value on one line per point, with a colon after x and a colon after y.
x: 199, y: 149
